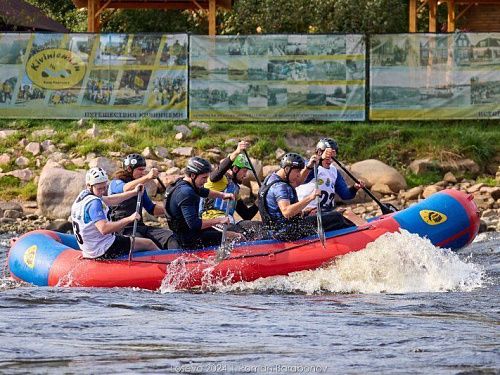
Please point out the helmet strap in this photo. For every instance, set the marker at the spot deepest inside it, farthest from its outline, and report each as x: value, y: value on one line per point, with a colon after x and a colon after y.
x: 193, y: 182
x: 319, y: 153
x: 287, y: 174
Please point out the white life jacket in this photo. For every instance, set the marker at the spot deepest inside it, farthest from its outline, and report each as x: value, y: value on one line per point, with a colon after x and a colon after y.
x: 92, y: 242
x: 326, y: 183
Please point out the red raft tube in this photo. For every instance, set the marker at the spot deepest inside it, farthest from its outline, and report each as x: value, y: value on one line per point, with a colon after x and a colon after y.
x: 449, y: 219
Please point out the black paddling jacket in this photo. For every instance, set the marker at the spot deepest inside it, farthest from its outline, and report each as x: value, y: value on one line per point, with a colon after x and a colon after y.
x: 182, y: 208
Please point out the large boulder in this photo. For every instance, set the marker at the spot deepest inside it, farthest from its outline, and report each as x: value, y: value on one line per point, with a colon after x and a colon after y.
x: 34, y: 148
x: 375, y: 172
x: 413, y: 193
x: 9, y: 206
x: 23, y: 174
x: 421, y: 166
x: 109, y: 165
x: 57, y: 189
x: 183, y: 129
x: 463, y: 165
x: 5, y: 133
x: 4, y: 159
x: 183, y: 151
x: 268, y: 169
x: 201, y: 125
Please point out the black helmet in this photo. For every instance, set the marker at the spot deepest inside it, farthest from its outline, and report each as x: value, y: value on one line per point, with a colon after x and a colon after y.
x: 292, y: 160
x: 325, y: 143
x: 134, y: 161
x: 198, y: 166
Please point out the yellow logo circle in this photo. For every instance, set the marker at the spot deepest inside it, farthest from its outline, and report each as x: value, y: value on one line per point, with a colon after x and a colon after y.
x: 433, y: 217
x: 55, y: 69
x: 29, y: 256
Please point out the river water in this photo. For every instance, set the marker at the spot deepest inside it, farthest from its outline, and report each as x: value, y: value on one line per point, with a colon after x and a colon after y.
x: 401, y: 306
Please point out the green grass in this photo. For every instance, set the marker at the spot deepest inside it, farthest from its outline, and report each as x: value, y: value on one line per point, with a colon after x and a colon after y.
x: 427, y: 178
x: 396, y: 143
x: 487, y: 180
x: 11, y: 188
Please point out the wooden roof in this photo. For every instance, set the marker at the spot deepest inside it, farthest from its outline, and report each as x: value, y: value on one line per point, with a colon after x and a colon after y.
x: 22, y: 14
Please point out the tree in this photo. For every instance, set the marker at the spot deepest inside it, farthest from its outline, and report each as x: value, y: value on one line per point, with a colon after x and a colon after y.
x: 316, y: 16
x: 247, y: 17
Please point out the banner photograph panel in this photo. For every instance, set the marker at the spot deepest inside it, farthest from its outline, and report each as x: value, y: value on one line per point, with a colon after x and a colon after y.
x: 429, y: 76
x: 277, y: 77
x: 107, y: 76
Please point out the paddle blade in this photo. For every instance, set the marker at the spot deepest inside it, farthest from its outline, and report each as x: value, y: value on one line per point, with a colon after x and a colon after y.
x: 321, y: 231
x: 388, y: 208
x: 223, y: 252
x: 319, y: 219
x: 224, y: 249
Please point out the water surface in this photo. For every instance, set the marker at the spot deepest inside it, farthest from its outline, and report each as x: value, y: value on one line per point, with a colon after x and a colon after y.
x: 399, y: 307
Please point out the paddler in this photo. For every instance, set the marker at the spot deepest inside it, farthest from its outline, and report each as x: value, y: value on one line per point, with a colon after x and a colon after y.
x: 279, y: 206
x: 330, y: 183
x: 227, y: 178
x: 132, y: 174
x: 182, y: 204
x: 94, y: 232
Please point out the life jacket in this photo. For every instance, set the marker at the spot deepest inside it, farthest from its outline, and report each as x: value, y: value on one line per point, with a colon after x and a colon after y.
x: 126, y: 208
x: 213, y: 208
x: 267, y: 219
x: 92, y: 242
x: 176, y: 224
x: 326, y: 183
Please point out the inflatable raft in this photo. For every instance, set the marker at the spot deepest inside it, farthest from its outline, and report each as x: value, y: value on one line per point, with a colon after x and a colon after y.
x: 448, y: 219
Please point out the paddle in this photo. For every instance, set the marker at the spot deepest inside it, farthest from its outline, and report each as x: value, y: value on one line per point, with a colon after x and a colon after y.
x: 253, y: 169
x: 319, y: 219
x: 134, y: 230
x: 386, y: 208
x: 161, y: 183
x: 223, y: 251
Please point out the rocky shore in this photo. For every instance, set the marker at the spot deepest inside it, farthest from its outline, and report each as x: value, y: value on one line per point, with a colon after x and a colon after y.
x: 59, y: 176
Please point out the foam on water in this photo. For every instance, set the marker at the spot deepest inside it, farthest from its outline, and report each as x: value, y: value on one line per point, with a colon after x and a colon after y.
x: 398, y: 262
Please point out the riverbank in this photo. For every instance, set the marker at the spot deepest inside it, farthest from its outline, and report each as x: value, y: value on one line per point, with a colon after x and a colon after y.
x: 423, y: 153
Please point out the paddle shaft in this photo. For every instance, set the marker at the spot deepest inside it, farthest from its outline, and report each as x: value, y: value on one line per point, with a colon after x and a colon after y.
x: 224, y: 230
x: 319, y: 219
x: 161, y: 183
x: 221, y: 252
x: 253, y: 169
x: 134, y: 230
x: 385, y: 209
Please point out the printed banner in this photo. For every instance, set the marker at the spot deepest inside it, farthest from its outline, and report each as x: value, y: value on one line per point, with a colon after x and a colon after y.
x: 277, y: 77
x: 432, y: 76
x: 107, y: 76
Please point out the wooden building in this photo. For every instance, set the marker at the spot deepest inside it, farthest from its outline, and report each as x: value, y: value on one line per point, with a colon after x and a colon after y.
x: 18, y: 15
x: 467, y: 15
x: 96, y: 7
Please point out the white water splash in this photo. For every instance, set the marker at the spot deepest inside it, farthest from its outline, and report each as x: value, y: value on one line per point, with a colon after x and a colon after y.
x: 177, y: 275
x: 398, y: 262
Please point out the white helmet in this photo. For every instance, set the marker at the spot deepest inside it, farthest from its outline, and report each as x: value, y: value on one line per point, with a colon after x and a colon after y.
x: 95, y: 175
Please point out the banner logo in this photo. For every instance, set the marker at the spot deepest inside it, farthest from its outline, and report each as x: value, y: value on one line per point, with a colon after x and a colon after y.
x: 29, y: 256
x: 433, y: 217
x: 55, y: 69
